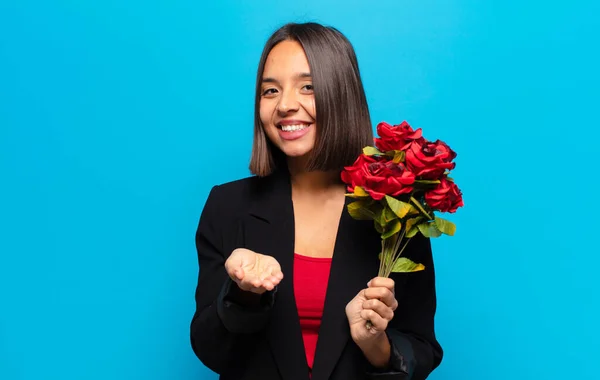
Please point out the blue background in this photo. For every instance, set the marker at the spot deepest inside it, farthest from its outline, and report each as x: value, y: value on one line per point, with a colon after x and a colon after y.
x: 116, y: 118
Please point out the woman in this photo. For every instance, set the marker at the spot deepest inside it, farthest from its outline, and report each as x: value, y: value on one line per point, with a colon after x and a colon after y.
x: 285, y: 286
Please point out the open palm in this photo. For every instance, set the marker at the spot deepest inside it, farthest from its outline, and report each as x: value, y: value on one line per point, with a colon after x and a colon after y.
x: 253, y: 271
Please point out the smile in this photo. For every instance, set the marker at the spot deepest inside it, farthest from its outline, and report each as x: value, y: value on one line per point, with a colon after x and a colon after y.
x: 292, y: 128
x: 291, y: 132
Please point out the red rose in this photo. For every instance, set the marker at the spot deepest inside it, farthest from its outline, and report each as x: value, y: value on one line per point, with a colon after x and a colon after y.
x: 429, y: 160
x: 446, y: 197
x: 395, y: 137
x: 379, y: 177
x: 355, y: 175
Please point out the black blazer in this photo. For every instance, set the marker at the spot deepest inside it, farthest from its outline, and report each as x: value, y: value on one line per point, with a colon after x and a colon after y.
x: 264, y: 342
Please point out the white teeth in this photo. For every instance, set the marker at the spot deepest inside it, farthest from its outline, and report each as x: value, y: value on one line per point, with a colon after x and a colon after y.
x: 291, y: 128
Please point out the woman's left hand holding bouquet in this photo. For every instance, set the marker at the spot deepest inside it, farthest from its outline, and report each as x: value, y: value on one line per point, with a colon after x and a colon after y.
x: 377, y: 304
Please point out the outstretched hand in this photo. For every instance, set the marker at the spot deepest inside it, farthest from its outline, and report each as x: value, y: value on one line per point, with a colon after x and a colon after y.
x: 253, y: 272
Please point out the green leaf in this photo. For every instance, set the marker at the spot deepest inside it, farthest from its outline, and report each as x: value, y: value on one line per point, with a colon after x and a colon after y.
x: 445, y: 226
x: 429, y: 230
x: 354, y: 196
x: 389, y: 215
x: 412, y: 223
x: 383, y: 214
x: 359, y: 192
x: 399, y: 156
x: 378, y: 227
x: 427, y: 182
x: 380, y: 217
x: 391, y: 229
x: 400, y: 208
x: 412, y: 232
x: 371, y: 151
x: 377, y: 208
x: 360, y: 210
x: 403, y: 265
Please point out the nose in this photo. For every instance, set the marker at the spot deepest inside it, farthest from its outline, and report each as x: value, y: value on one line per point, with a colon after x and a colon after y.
x: 288, y: 102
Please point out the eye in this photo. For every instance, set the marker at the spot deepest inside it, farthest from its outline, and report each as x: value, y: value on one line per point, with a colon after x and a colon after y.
x: 308, y: 87
x: 269, y: 91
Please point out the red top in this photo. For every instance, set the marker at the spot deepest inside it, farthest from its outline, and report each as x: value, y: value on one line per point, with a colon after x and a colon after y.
x: 311, y: 275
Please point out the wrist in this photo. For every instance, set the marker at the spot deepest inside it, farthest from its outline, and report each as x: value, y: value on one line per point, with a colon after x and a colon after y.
x: 377, y: 350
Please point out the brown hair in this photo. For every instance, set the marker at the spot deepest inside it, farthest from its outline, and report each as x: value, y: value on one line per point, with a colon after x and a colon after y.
x: 342, y: 114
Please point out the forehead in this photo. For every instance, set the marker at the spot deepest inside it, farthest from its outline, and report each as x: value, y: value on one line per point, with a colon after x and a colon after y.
x: 286, y: 58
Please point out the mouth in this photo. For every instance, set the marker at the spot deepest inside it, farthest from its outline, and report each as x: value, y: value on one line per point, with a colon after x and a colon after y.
x: 291, y: 130
x: 293, y: 127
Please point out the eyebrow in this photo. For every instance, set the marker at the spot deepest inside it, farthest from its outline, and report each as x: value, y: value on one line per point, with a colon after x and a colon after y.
x: 297, y: 76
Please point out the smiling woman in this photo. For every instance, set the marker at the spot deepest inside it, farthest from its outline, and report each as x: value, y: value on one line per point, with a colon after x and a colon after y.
x: 311, y: 73
x: 285, y: 285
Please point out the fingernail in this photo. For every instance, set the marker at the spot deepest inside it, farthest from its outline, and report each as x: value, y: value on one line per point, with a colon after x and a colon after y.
x: 369, y: 283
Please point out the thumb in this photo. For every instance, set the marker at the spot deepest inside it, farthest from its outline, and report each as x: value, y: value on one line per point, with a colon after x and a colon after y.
x: 237, y: 274
x: 233, y: 265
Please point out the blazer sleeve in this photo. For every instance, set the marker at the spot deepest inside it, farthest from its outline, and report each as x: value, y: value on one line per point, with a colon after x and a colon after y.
x: 225, y: 318
x: 415, y: 349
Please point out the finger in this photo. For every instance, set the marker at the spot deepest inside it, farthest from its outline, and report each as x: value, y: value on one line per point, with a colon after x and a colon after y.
x: 266, y: 278
x: 255, y: 282
x: 277, y: 273
x: 232, y: 267
x: 267, y: 272
x: 238, y: 274
x: 384, y: 294
x: 382, y: 282
x: 244, y: 286
x: 273, y: 269
x: 379, y: 323
x: 268, y: 285
x: 252, y: 284
x: 248, y: 282
x: 380, y: 308
x: 273, y: 280
x: 245, y: 283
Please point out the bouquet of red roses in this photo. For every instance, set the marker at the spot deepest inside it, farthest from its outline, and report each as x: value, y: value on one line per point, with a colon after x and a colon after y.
x: 400, y: 184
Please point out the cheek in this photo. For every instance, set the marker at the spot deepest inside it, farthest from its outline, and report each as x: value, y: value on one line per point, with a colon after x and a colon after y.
x: 309, y: 106
x: 266, y: 112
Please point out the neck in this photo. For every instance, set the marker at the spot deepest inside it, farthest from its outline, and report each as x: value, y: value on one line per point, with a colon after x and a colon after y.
x: 314, y: 181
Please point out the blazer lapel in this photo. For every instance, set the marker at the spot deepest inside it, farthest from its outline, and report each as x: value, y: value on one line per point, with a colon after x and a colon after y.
x: 354, y: 263
x: 270, y: 231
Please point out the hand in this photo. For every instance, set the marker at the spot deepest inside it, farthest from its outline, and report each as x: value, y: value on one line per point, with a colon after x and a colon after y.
x: 376, y: 304
x: 252, y: 271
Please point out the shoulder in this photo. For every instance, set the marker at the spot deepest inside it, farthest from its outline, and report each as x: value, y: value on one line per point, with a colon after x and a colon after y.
x: 234, y: 199
x: 236, y: 196
x: 239, y: 191
x: 238, y: 187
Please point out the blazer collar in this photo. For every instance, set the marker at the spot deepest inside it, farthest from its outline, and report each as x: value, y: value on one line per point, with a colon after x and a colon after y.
x: 273, y: 198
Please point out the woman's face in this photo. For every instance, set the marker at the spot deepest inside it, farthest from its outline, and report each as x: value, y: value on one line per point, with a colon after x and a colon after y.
x: 287, y: 103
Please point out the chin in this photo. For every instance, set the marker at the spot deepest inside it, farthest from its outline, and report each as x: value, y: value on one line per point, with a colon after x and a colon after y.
x: 297, y: 151
x: 295, y: 148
